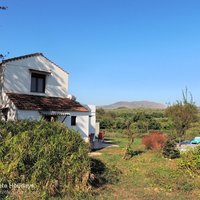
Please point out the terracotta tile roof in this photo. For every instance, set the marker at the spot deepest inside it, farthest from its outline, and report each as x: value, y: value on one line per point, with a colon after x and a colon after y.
x: 28, y: 56
x: 44, y: 103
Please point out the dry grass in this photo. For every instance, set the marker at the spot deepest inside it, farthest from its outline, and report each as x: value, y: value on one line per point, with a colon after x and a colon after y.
x: 147, y: 176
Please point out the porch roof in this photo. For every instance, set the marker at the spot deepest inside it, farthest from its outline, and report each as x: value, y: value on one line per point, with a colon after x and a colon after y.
x: 45, y: 103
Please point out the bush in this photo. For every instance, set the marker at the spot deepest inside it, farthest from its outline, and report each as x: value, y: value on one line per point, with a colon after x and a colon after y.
x: 190, y: 162
x: 170, y: 150
x: 48, y: 156
x: 154, y: 141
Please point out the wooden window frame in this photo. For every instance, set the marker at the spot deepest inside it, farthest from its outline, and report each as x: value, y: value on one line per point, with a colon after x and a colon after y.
x: 37, y: 76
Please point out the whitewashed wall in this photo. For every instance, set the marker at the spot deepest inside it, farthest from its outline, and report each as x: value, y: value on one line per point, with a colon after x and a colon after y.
x: 28, y: 114
x: 82, y: 123
x: 6, y: 103
x: 92, y: 118
x: 97, y: 129
x: 17, y: 76
x: 85, y: 121
x: 82, y: 120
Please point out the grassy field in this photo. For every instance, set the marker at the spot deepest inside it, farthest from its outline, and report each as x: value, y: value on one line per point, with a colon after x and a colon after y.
x: 146, y: 176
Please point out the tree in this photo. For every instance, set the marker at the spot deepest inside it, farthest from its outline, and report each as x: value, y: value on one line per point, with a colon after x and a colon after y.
x: 170, y: 149
x: 101, y: 111
x: 182, y: 114
x: 143, y: 125
x: 131, y: 131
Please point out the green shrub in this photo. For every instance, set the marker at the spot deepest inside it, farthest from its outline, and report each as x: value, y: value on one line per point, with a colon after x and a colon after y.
x: 170, y: 150
x: 48, y: 156
x: 190, y: 162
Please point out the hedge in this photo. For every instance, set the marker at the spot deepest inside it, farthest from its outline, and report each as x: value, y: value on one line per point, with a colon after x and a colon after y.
x: 42, y: 158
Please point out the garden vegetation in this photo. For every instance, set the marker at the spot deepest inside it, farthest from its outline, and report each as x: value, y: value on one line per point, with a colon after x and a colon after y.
x: 49, y: 158
x: 54, y: 161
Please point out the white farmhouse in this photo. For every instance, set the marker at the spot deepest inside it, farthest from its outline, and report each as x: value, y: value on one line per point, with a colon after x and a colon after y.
x: 33, y: 87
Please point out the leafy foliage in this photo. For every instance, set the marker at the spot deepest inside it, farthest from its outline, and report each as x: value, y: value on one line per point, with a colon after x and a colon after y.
x: 47, y: 155
x: 116, y: 119
x: 170, y: 149
x: 182, y: 114
x: 190, y: 162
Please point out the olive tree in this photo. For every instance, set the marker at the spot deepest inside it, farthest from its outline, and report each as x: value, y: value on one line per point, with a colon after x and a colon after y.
x: 183, y: 114
x: 131, y: 132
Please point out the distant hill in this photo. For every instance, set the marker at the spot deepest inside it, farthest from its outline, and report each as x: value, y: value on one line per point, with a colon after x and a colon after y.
x: 134, y: 104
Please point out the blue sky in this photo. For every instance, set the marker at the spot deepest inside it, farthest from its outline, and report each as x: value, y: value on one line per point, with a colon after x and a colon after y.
x: 113, y: 49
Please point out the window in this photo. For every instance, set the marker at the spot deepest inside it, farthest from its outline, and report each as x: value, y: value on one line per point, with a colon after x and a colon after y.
x: 5, y: 114
x: 73, y: 120
x: 38, y: 82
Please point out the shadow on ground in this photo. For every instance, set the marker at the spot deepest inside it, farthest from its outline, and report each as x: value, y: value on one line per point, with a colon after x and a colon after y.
x: 98, y: 144
x: 131, y: 153
x: 136, y: 153
x: 102, y: 174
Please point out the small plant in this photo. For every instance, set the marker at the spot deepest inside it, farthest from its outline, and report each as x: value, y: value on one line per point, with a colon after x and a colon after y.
x: 170, y: 150
x: 190, y: 162
x: 154, y: 141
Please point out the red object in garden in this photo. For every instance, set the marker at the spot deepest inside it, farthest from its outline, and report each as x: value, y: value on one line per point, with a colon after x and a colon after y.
x: 154, y: 141
x: 101, y: 136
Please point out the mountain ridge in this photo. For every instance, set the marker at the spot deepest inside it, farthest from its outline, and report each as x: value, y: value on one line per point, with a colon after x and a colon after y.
x: 134, y: 104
